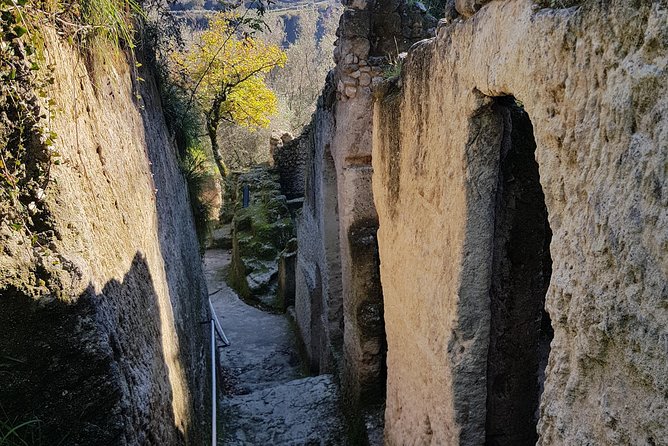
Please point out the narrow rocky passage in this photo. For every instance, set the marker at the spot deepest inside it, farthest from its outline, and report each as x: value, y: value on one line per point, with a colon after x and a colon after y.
x: 266, y: 398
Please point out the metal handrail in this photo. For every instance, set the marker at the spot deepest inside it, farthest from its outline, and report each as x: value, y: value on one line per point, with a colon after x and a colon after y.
x: 219, y: 328
x: 216, y: 328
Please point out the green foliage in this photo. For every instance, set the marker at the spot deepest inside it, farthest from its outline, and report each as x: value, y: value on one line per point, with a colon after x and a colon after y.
x: 113, y: 20
x: 224, y: 71
x: 185, y: 126
x: 394, y: 64
x: 198, y: 171
x: 27, y: 145
x: 393, y: 68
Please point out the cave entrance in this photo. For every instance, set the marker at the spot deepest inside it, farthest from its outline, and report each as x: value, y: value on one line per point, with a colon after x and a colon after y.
x: 520, y: 329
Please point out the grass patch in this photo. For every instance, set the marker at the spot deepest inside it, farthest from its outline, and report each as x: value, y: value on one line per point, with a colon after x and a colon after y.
x: 27, y: 433
x: 114, y: 20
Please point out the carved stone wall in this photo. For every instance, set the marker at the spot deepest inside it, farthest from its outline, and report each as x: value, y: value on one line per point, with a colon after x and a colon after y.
x: 318, y: 301
x: 457, y: 261
x: 338, y: 305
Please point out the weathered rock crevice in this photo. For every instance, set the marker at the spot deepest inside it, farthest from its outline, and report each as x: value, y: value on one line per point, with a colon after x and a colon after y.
x: 520, y: 331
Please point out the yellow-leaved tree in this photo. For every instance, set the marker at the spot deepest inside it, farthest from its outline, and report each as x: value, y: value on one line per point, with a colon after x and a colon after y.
x: 225, y: 72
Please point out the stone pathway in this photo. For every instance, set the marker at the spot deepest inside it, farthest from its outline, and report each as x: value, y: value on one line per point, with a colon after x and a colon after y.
x: 267, y: 400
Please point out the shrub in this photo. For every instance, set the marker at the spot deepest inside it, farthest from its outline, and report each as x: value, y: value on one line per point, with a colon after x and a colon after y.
x: 198, y: 170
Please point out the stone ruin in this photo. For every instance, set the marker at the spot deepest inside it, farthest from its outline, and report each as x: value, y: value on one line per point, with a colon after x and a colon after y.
x: 288, y: 160
x: 483, y: 245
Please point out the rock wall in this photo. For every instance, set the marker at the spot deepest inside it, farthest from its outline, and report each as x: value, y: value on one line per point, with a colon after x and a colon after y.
x: 369, y: 32
x: 338, y: 301
x: 463, y: 238
x: 260, y: 232
x: 104, y: 326
x: 289, y: 158
x: 318, y: 298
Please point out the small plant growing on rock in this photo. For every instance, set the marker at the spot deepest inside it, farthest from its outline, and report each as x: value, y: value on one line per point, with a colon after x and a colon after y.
x: 26, y: 142
x: 394, y: 63
x: 393, y: 68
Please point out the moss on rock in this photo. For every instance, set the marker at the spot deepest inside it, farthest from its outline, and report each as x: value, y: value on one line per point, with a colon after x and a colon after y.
x: 260, y: 233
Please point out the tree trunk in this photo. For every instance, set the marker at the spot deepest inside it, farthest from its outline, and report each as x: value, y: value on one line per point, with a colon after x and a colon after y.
x: 212, y: 130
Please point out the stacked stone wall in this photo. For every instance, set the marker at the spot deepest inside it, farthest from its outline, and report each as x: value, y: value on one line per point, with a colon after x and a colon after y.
x: 289, y: 160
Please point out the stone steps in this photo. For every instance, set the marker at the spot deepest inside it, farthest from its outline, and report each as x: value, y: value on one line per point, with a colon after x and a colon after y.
x: 268, y: 400
x: 300, y: 412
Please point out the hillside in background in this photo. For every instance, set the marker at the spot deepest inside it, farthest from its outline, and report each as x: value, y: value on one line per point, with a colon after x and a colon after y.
x: 282, y: 16
x: 215, y: 5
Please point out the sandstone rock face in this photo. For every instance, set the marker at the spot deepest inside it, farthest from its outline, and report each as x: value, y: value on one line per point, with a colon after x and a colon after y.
x: 105, y: 326
x: 368, y: 33
x: 461, y: 225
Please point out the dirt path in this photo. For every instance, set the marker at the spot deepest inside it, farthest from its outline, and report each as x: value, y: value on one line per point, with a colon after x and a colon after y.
x: 268, y: 400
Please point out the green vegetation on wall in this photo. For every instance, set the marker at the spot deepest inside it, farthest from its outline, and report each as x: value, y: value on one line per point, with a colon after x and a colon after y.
x: 27, y: 145
x: 113, y: 20
x: 260, y: 232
